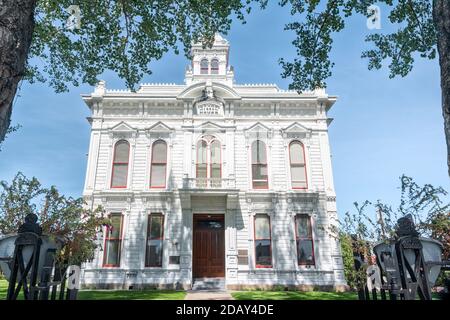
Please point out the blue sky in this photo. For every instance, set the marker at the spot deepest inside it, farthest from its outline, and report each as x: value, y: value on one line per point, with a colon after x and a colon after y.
x: 382, y: 127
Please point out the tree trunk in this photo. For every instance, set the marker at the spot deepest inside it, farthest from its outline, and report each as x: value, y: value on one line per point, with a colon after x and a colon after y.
x: 441, y: 17
x: 16, y: 30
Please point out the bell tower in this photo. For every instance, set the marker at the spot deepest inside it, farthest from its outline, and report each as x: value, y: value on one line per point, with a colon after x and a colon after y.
x: 210, y: 64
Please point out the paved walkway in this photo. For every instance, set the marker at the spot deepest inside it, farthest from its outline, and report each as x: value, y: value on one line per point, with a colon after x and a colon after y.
x: 208, y: 295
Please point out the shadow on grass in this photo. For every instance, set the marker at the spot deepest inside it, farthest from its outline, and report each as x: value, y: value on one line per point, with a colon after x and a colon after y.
x: 131, y: 295
x: 293, y: 295
x: 113, y: 294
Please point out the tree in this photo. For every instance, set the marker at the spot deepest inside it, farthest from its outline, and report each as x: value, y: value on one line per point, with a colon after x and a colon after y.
x: 125, y: 36
x: 59, y: 216
x: 119, y: 35
x: 430, y: 212
x: 423, y: 29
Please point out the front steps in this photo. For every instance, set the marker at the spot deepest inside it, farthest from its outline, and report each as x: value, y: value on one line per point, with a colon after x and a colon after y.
x: 216, y: 284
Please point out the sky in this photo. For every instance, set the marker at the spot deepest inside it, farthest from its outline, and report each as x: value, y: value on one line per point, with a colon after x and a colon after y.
x: 382, y: 127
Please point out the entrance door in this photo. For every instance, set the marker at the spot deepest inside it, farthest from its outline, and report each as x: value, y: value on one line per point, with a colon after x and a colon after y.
x: 209, y: 246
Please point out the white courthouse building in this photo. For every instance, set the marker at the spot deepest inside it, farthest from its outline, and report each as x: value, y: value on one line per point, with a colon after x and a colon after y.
x: 212, y: 182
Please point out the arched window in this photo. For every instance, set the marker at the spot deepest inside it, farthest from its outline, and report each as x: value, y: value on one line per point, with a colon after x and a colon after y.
x: 202, y: 164
x: 209, y: 163
x: 119, y: 174
x: 298, y: 165
x: 259, y: 165
x: 204, y: 66
x: 159, y: 165
x: 214, y: 66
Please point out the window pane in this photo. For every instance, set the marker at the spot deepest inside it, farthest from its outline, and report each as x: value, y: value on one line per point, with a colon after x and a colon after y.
x: 299, y: 184
x: 112, y: 252
x: 159, y: 153
x: 298, y: 176
x: 155, y: 232
x: 201, y: 152
x: 214, y: 66
x: 303, y: 226
x: 296, y: 153
x: 215, y: 171
x: 119, y: 175
x: 305, y: 252
x: 260, y: 178
x: 121, y: 151
x: 201, y: 170
x: 204, y: 66
x: 209, y: 224
x: 215, y: 152
x: 156, y: 226
x: 116, y: 223
x: 262, y: 252
x: 158, y: 175
x: 154, y: 253
x: 262, y: 227
x: 258, y: 152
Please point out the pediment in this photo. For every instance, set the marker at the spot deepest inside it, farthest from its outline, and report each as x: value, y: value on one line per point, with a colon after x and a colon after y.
x: 122, y: 127
x: 159, y: 127
x: 296, y: 130
x: 195, y: 91
x: 296, y: 127
x: 122, y: 130
x: 258, y: 127
x: 209, y: 126
x: 258, y: 131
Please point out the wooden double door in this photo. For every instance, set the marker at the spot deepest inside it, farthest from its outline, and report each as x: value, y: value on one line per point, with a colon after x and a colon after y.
x: 208, y: 246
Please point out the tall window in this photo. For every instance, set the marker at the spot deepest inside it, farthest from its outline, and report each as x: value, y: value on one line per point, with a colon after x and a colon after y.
x: 214, y: 66
x: 155, y: 236
x: 159, y: 165
x: 120, y: 164
x: 303, y: 234
x: 298, y: 165
x: 215, y: 161
x: 113, y: 241
x: 259, y: 165
x: 204, y: 65
x: 209, y: 165
x: 263, y: 248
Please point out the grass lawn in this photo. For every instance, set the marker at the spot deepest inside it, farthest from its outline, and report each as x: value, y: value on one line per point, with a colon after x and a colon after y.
x: 131, y: 295
x: 115, y: 294
x: 293, y: 295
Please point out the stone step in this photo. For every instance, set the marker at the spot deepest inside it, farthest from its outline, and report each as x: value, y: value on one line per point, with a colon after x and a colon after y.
x: 209, y: 284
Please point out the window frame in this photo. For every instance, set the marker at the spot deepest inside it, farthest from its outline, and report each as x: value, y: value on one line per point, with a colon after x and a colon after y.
x: 266, y: 186
x: 114, y: 163
x: 208, y: 163
x: 260, y: 266
x: 158, y: 164
x: 148, y: 237
x: 120, y: 239
x: 202, y: 69
x: 298, y: 166
x: 213, y: 69
x: 310, y: 238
